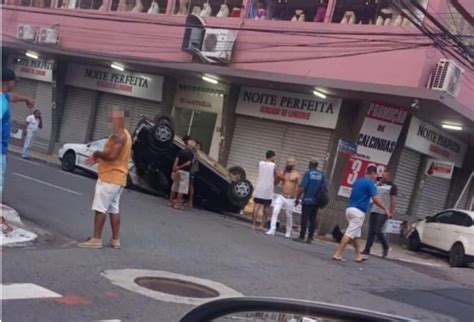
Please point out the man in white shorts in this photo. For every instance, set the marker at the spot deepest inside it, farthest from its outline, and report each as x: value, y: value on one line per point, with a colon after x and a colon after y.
x: 286, y: 198
x: 263, y: 193
x: 181, y: 175
x: 363, y: 190
x: 113, y: 172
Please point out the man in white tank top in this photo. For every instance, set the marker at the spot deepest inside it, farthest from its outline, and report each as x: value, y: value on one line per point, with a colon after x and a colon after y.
x: 263, y: 193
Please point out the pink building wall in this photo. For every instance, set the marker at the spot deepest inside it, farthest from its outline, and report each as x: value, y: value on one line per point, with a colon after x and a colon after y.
x: 146, y: 37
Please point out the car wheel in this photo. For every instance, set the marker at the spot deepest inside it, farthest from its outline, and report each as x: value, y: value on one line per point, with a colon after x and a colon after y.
x: 240, y: 192
x: 68, y: 162
x: 161, y: 135
x: 457, y: 256
x: 414, y: 242
x: 237, y: 173
x: 164, y: 118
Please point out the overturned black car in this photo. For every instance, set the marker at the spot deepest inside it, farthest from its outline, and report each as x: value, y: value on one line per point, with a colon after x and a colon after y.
x: 154, y: 149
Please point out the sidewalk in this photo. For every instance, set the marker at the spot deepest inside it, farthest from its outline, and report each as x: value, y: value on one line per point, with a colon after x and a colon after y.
x: 36, y: 155
x: 20, y: 235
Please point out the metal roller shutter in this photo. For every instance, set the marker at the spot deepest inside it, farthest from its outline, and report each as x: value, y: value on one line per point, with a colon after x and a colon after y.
x: 43, y: 102
x: 405, y: 178
x: 434, y: 195
x: 253, y: 137
x: 77, y: 112
x: 101, y: 130
x: 143, y: 107
x: 19, y: 111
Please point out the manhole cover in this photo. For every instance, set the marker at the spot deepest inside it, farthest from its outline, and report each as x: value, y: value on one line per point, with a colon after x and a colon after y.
x: 176, y: 287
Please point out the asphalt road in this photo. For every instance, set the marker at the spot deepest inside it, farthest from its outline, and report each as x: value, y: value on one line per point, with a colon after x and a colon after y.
x: 194, y: 243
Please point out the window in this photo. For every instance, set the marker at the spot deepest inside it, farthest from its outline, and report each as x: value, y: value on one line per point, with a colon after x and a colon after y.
x: 444, y: 217
x: 373, y: 12
x: 144, y: 6
x: 461, y: 219
x: 209, y: 8
x: 294, y: 10
x: 89, y: 4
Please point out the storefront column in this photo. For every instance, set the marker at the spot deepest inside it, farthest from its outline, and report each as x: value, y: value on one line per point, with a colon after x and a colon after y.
x: 228, y: 122
x: 93, y: 117
x: 350, y: 120
x: 169, y: 92
x: 58, y: 99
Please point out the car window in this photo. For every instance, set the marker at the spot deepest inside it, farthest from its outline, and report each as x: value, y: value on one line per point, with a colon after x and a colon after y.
x: 98, y: 145
x: 444, y: 218
x: 461, y: 219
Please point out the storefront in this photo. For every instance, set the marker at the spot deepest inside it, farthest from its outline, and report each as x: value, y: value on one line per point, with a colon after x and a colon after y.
x: 425, y: 168
x: 291, y: 124
x: 34, y: 80
x: 197, y: 110
x: 92, y: 90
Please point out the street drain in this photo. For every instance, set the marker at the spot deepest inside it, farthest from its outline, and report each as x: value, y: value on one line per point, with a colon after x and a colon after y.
x: 176, y: 287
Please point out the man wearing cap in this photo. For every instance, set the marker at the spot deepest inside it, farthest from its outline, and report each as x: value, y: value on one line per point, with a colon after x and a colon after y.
x: 8, y: 83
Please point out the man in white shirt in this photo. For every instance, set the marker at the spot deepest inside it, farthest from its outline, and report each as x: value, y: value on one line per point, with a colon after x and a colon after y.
x: 33, y: 123
x: 263, y: 193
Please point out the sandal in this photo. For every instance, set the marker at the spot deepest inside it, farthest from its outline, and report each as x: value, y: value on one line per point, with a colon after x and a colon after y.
x: 338, y: 259
x: 362, y: 260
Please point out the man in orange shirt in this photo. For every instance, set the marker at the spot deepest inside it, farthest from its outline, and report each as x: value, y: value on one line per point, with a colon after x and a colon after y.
x: 113, y: 171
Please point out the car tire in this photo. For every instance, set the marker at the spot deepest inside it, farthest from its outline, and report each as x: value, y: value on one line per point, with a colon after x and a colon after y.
x: 164, y: 118
x: 239, y: 192
x: 237, y: 173
x: 457, y: 256
x: 68, y: 163
x: 414, y: 242
x: 161, y: 136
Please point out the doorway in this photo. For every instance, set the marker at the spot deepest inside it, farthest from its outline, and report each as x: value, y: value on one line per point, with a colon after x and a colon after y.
x: 197, y: 124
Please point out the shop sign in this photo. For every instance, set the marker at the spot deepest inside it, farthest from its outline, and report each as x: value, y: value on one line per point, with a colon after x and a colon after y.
x: 375, y: 144
x: 347, y: 147
x: 356, y: 169
x: 440, y: 169
x: 125, y: 83
x: 37, y: 69
x: 380, y: 131
x: 430, y: 140
x: 199, y: 97
x: 289, y: 107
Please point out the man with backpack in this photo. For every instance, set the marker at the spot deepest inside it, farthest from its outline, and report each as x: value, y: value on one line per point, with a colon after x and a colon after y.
x: 312, y: 184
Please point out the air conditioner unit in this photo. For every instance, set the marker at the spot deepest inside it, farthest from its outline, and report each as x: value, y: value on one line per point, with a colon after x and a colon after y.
x: 48, y: 36
x: 447, y: 77
x: 218, y: 44
x: 26, y: 32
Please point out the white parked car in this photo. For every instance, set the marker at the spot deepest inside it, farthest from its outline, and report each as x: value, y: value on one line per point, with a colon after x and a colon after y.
x: 450, y: 231
x: 74, y: 156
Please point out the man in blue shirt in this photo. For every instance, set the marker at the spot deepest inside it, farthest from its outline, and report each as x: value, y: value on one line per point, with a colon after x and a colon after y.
x: 313, y: 181
x: 363, y: 190
x: 8, y: 83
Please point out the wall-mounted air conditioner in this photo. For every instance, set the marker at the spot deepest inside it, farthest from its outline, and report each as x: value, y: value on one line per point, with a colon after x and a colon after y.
x: 218, y: 44
x: 26, y: 32
x: 447, y: 77
x: 48, y: 36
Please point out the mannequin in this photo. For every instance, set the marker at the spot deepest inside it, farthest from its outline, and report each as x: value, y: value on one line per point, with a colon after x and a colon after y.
x: 252, y: 12
x: 299, y: 16
x: 224, y: 12
x: 280, y: 11
x: 320, y: 15
x: 236, y: 12
x: 385, y: 14
x: 154, y: 8
x: 206, y: 10
x: 196, y: 10
x: 348, y: 18
x: 261, y: 12
x: 183, y: 7
x: 367, y: 12
x: 138, y: 6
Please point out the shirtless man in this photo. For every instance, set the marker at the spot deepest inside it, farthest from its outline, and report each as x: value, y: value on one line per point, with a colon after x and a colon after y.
x: 290, y: 179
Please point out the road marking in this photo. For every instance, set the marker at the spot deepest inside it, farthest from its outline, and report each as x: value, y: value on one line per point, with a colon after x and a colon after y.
x: 22, y: 291
x: 46, y: 183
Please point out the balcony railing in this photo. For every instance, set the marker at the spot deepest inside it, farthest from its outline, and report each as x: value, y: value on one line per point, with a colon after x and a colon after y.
x: 365, y: 12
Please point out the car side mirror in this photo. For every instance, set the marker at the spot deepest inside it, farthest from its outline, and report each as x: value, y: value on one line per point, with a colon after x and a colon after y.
x: 429, y: 219
x: 274, y: 309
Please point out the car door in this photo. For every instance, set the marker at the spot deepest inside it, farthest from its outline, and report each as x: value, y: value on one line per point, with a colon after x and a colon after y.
x: 462, y: 229
x: 446, y: 230
x: 431, y: 233
x: 91, y: 148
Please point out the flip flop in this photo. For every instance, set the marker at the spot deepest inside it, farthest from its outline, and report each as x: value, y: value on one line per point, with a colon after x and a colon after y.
x: 338, y: 259
x: 178, y: 208
x: 362, y: 260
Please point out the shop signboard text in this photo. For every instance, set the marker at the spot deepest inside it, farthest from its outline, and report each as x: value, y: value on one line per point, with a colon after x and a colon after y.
x: 37, y: 69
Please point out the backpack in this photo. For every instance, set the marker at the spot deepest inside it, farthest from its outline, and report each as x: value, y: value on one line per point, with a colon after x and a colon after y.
x: 322, y: 199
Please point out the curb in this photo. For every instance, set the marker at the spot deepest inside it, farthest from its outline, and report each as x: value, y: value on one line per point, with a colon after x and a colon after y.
x: 35, y: 159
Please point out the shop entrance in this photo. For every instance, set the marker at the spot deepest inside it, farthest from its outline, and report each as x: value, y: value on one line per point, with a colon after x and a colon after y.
x: 197, y: 124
